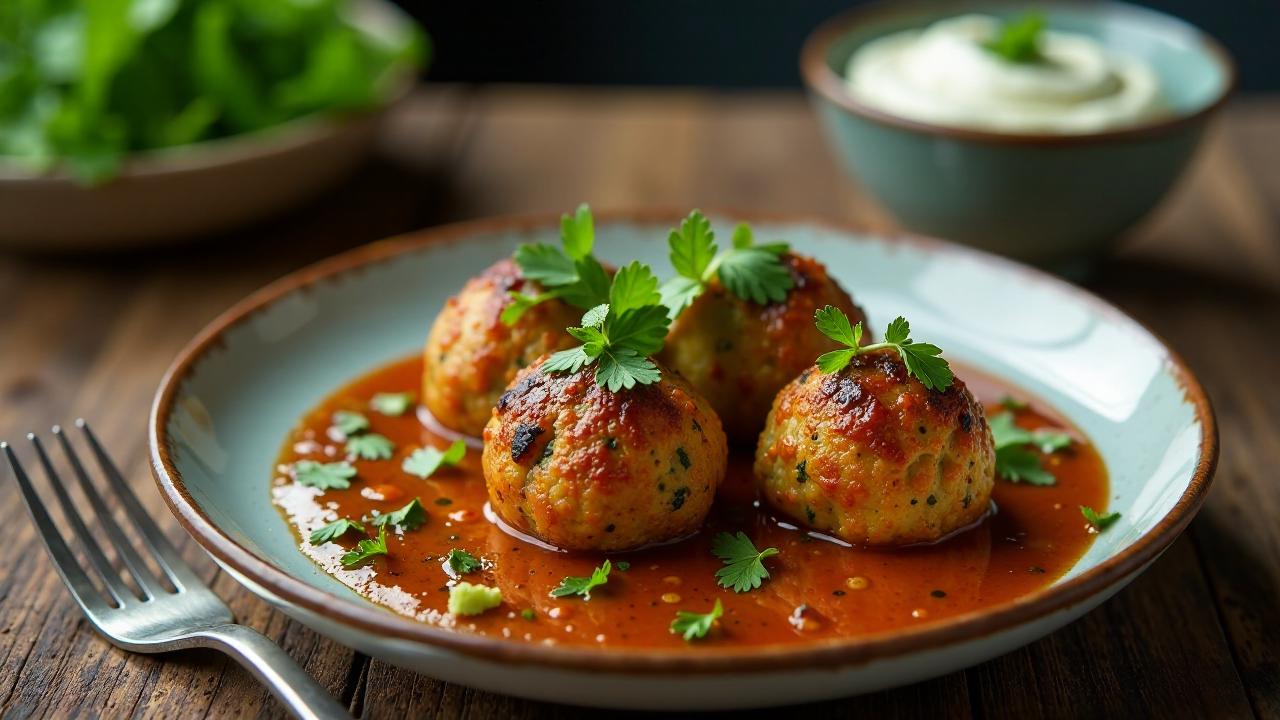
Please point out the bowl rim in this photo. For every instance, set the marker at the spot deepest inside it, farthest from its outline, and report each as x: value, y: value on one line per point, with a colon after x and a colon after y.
x: 820, y: 79
x: 360, y: 616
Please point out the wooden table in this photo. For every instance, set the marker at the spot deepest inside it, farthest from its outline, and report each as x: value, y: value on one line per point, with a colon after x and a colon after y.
x: 1198, y: 635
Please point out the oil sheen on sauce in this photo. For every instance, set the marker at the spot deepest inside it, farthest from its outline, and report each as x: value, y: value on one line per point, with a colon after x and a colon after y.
x: 817, y: 590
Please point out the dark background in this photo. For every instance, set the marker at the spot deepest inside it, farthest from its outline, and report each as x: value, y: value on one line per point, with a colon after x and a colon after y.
x: 721, y: 43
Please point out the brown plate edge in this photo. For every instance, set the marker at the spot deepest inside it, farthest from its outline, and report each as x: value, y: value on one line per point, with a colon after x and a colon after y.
x: 823, y: 656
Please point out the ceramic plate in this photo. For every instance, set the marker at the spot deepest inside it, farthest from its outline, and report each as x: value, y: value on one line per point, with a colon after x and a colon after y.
x: 236, y: 390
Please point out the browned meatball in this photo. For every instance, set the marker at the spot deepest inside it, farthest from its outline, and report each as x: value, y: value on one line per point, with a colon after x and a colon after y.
x: 871, y: 456
x: 739, y: 354
x: 471, y: 355
x: 582, y: 468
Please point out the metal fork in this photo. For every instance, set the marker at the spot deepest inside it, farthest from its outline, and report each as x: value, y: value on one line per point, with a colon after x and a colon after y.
x: 161, y: 620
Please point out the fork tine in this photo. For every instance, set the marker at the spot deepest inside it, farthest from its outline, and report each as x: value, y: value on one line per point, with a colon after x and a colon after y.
x: 115, y: 586
x: 166, y: 555
x: 63, y: 561
x: 137, y: 568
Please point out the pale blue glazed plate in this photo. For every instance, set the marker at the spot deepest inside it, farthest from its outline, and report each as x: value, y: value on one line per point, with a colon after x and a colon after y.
x: 235, y: 391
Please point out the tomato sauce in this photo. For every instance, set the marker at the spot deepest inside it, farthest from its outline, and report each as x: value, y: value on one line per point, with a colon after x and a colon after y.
x: 817, y: 590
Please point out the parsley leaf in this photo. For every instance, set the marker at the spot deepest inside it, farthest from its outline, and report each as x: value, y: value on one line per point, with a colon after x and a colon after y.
x: 425, y: 461
x: 923, y: 360
x: 578, y: 233
x: 409, y: 517
x: 350, y: 423
x: 334, y: 530
x: 751, y: 272
x: 392, y: 404
x: 583, y: 585
x: 366, y: 549
x: 462, y: 562
x: 1018, y: 40
x: 370, y: 447
x: 744, y: 568
x: 1010, y: 402
x: 1100, y: 522
x: 1014, y: 460
x: 619, y: 338
x: 571, y: 274
x: 326, y: 476
x: 695, y: 626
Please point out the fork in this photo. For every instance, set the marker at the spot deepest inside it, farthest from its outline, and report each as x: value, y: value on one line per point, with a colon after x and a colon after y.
x: 162, y: 619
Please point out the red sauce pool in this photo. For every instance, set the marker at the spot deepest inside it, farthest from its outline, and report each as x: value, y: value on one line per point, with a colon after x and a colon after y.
x: 1035, y: 536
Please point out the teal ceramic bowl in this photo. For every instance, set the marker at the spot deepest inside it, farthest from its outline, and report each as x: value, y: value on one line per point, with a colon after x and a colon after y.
x: 1050, y: 199
x: 230, y: 398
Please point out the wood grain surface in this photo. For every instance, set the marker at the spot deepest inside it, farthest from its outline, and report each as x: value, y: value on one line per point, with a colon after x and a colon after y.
x: 1197, y: 636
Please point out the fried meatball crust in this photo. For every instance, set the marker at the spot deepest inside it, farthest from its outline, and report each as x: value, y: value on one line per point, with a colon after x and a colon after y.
x: 471, y: 355
x: 582, y: 468
x: 868, y: 454
x: 739, y: 354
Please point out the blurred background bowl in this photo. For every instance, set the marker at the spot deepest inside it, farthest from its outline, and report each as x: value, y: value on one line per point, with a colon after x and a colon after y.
x: 1051, y: 199
x: 171, y: 194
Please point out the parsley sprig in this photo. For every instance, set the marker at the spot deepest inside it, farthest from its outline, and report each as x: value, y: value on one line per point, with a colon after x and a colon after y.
x: 618, y: 336
x: 749, y: 271
x: 325, y: 476
x: 1098, y: 521
x: 923, y: 360
x: 695, y: 626
x: 334, y: 530
x: 366, y: 549
x: 425, y: 461
x: 744, y: 568
x: 392, y: 404
x: 1018, y: 39
x: 583, y: 585
x: 570, y: 272
x: 409, y: 517
x: 1016, y: 461
x: 462, y: 562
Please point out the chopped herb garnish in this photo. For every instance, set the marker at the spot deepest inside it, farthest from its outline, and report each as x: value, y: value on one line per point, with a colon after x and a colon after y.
x: 444, y: 501
x: 528, y: 614
x: 1012, y: 403
x: 368, y: 548
x: 334, y: 530
x: 425, y: 461
x: 392, y: 404
x: 695, y: 626
x: 923, y: 360
x: 470, y: 599
x: 350, y: 423
x: 1101, y: 522
x: 409, y: 517
x: 1017, y: 462
x: 744, y: 568
x: 571, y: 274
x: 370, y: 447
x: 583, y: 585
x: 1018, y: 39
x: 326, y: 476
x: 749, y: 271
x: 462, y: 562
x: 620, y: 335
x: 623, y: 565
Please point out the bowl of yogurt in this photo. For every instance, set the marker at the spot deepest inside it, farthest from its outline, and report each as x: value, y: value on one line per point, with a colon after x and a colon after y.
x: 1042, y: 132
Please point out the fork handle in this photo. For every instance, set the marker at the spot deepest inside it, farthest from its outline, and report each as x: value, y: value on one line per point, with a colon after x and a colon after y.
x: 302, y: 695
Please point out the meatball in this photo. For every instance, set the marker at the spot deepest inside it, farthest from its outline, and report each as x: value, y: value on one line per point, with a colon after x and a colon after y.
x: 869, y: 455
x: 471, y: 355
x: 739, y: 354
x: 582, y: 468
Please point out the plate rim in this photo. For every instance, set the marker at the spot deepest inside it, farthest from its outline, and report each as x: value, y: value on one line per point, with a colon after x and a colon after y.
x: 386, y: 625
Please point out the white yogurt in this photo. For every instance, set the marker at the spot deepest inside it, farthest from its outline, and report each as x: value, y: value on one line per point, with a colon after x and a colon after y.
x: 943, y: 75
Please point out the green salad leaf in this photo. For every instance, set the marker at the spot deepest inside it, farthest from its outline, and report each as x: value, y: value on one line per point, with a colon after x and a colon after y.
x: 85, y: 83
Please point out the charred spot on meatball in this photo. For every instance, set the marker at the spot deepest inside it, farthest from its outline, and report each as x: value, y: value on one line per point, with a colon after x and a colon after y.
x: 870, y: 455
x: 523, y: 439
